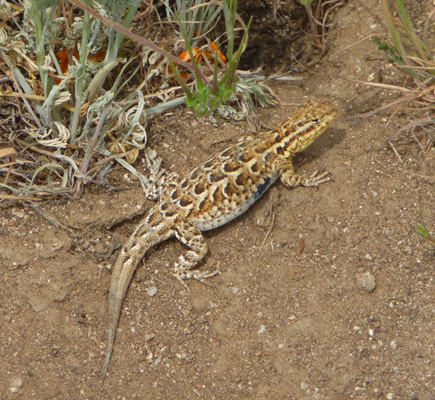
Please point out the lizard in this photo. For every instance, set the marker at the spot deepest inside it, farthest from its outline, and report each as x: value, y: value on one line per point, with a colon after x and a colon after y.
x: 213, y: 194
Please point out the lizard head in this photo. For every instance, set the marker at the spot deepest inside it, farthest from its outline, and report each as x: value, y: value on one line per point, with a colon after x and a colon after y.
x: 308, y: 123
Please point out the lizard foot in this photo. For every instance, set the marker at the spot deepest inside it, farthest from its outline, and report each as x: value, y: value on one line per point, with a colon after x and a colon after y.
x: 316, y: 179
x: 198, y: 275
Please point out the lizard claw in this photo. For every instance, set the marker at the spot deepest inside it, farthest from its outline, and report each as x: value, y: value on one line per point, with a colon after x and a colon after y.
x: 200, y: 276
x: 315, y: 179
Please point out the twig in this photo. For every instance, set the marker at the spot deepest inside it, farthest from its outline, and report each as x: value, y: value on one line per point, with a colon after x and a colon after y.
x: 90, y: 151
x: 38, y: 209
x: 301, y: 245
x: 26, y: 103
x: 375, y: 84
x: 34, y: 97
x: 268, y: 232
x: 420, y: 121
x: 13, y: 197
x: 8, y: 151
x: 412, y: 95
x: 359, y: 42
x: 426, y: 25
x: 395, y: 152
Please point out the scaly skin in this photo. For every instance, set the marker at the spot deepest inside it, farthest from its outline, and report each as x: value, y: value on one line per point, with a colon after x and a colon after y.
x: 215, y: 193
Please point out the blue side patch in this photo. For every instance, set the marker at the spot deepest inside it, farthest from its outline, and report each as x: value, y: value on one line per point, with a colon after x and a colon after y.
x: 261, y: 189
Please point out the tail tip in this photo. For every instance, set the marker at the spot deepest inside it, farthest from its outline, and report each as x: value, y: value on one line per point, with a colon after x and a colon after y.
x: 105, y: 367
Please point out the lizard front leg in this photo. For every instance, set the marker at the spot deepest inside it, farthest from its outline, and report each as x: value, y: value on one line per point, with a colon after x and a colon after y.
x: 192, y: 237
x: 291, y: 179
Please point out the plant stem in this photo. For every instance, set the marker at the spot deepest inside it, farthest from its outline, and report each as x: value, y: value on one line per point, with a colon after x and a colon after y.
x: 90, y: 150
x: 81, y: 72
x: 119, y: 37
x: 40, y: 48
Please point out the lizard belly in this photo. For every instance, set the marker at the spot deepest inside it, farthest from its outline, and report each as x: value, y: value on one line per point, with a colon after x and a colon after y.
x: 208, y: 222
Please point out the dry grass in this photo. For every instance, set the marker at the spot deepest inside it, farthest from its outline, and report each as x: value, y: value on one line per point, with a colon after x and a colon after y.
x: 408, y: 53
x: 320, y: 14
x: 77, y: 89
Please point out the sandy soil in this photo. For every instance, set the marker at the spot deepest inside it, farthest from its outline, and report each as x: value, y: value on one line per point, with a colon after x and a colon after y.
x: 339, y: 302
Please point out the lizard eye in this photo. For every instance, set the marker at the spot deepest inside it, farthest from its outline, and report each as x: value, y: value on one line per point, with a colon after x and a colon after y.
x: 315, y: 120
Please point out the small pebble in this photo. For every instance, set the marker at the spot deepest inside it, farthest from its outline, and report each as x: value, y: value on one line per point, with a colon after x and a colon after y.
x: 200, y: 304
x: 38, y: 302
x: 15, y: 384
x: 304, y: 386
x: 149, y: 337
x: 152, y: 154
x: 366, y: 281
x: 151, y: 291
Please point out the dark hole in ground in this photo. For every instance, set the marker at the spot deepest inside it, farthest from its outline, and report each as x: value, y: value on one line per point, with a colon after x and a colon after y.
x: 279, y: 37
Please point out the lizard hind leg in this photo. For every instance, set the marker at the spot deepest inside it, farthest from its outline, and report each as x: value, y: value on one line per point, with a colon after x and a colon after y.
x: 192, y: 237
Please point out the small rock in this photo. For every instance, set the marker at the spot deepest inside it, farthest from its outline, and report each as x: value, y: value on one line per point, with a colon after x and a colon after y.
x: 304, y: 386
x: 38, y: 302
x: 59, y: 292
x: 152, y: 154
x: 262, y: 329
x: 368, y: 257
x: 15, y: 384
x: 200, y: 304
x: 141, y: 275
x: 149, y: 337
x: 18, y: 213
x: 151, y: 291
x: 366, y: 281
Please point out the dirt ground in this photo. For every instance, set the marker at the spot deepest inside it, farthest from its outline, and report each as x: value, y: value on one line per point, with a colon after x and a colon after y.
x: 334, y: 300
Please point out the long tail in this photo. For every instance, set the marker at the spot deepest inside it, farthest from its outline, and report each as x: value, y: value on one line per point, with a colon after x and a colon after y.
x: 138, y: 244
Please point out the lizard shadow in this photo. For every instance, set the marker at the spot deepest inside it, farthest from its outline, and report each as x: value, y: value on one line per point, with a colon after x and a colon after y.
x: 326, y: 142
